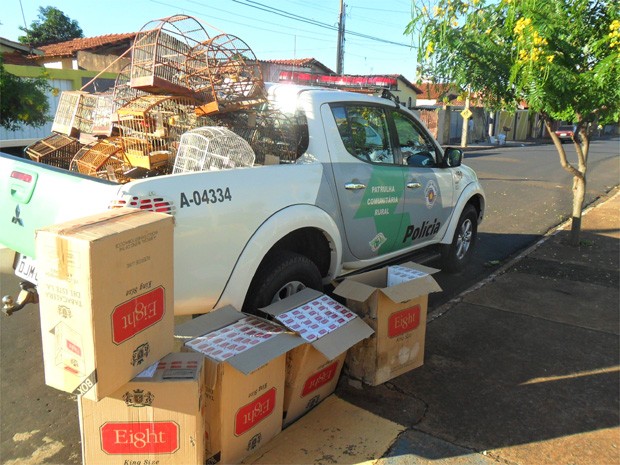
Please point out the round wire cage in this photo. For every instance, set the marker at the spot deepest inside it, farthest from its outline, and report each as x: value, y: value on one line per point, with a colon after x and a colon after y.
x: 212, y: 148
x: 159, y: 62
x: 229, y: 73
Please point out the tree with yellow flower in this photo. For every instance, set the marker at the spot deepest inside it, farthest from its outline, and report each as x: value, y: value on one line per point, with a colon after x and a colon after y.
x: 560, y: 56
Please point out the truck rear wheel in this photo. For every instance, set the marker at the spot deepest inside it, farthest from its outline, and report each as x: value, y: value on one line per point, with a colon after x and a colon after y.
x: 456, y: 256
x: 282, y: 274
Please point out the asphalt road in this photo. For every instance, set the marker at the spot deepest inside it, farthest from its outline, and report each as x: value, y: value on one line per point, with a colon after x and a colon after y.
x: 527, y: 192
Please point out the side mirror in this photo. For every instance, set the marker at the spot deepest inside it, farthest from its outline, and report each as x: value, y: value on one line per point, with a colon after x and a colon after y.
x: 453, y: 157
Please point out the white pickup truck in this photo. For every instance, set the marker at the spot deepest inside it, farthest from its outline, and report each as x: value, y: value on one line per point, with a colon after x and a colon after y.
x: 370, y: 186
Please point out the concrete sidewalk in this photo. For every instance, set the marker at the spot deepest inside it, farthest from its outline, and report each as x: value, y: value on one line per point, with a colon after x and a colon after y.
x: 523, y: 369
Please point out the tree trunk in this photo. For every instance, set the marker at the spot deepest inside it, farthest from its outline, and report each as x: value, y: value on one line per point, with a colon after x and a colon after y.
x: 582, y: 146
x: 579, y: 193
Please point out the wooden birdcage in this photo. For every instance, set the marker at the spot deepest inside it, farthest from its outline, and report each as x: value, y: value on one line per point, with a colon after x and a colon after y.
x: 55, y: 150
x: 104, y: 159
x: 159, y: 55
x: 151, y: 126
x: 235, y: 79
x: 212, y: 148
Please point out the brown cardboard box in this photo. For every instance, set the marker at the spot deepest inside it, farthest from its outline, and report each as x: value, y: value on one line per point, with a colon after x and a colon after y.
x: 156, y: 418
x: 313, y: 369
x: 245, y: 360
x: 106, y: 299
x: 393, y: 301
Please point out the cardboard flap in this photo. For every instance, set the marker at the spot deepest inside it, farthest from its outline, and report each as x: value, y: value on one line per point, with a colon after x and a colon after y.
x: 296, y: 300
x: 354, y: 290
x: 251, y: 360
x: 206, y: 323
x: 338, y: 342
x: 411, y: 289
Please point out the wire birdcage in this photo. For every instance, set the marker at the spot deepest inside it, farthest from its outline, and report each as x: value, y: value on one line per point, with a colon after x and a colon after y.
x: 159, y: 55
x: 83, y: 112
x: 231, y: 72
x: 103, y: 159
x: 270, y: 133
x: 65, y: 117
x: 123, y: 93
x: 55, y: 150
x: 212, y: 148
x: 151, y: 126
x: 102, y: 123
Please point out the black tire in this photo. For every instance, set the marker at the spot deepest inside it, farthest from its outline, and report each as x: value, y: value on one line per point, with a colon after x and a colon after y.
x: 282, y: 274
x: 456, y: 256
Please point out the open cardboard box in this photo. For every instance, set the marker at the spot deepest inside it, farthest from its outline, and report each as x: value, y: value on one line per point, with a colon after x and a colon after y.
x: 105, y: 298
x: 329, y: 330
x: 245, y: 359
x: 394, y: 302
x: 156, y: 418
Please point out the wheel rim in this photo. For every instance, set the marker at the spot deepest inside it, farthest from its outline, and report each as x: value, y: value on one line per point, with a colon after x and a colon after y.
x: 463, y: 241
x: 290, y: 288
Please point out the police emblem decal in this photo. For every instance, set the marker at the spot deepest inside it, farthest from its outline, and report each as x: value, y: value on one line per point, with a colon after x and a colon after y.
x: 430, y: 193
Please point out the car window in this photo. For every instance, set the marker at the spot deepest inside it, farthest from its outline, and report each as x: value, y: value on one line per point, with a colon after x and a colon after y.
x: 364, y: 132
x: 415, y: 144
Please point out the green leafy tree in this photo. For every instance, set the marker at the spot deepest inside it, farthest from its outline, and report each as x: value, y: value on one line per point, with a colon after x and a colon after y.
x: 562, y: 57
x: 53, y: 26
x: 23, y: 101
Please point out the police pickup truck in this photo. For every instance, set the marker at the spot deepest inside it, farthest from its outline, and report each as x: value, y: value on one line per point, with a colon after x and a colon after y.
x: 370, y: 186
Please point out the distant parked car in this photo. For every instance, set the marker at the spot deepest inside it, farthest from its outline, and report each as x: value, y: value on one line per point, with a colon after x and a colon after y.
x: 565, y: 133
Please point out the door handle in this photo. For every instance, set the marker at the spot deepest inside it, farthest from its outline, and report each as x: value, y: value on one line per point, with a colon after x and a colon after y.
x: 413, y: 185
x: 354, y: 186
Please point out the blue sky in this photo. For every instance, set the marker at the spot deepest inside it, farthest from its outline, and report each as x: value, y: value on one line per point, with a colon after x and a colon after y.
x: 269, y: 35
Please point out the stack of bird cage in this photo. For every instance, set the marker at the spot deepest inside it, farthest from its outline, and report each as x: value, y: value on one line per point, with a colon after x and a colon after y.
x: 55, y: 150
x: 210, y: 149
x: 159, y: 62
x: 151, y: 126
x: 229, y: 73
x: 104, y: 159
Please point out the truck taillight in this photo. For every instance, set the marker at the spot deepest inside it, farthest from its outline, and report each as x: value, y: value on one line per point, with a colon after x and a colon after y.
x: 25, y: 177
x: 150, y: 203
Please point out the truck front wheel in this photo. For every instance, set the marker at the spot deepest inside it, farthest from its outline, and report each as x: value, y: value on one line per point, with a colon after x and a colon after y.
x: 457, y: 254
x: 282, y: 274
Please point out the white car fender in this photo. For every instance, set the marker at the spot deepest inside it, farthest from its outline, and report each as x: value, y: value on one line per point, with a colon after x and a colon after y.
x: 271, y: 231
x: 470, y: 191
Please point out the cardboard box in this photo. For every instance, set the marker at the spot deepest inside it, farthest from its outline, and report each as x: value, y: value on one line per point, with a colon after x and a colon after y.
x: 329, y: 330
x: 394, y: 302
x: 106, y: 299
x: 245, y: 359
x: 156, y: 418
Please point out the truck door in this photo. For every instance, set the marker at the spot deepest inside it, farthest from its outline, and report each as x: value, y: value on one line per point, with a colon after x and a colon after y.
x: 429, y: 190
x: 369, y: 183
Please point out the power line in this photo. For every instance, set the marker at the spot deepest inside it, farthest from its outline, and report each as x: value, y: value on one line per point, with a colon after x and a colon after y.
x: 285, y: 14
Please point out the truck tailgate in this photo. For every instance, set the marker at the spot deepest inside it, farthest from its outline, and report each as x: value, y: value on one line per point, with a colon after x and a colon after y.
x: 34, y: 195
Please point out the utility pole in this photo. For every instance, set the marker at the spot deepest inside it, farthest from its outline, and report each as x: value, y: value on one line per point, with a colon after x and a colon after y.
x: 466, y: 114
x: 340, y: 51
